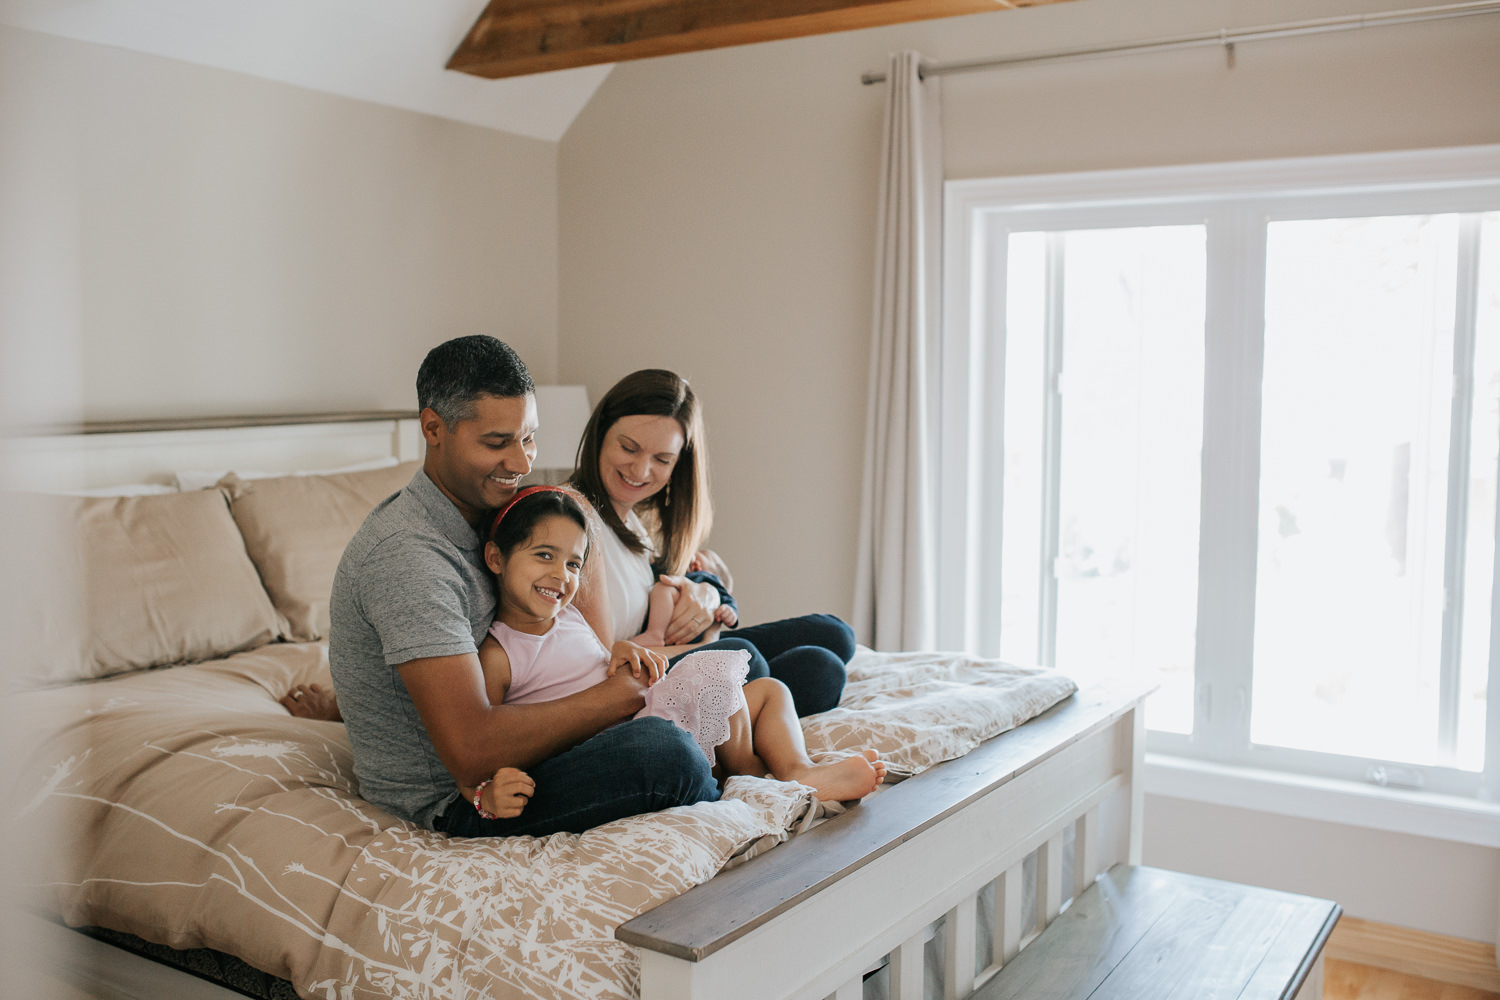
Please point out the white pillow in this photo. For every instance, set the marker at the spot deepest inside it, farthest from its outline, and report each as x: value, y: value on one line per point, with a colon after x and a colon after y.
x: 123, y: 490
x: 201, y: 479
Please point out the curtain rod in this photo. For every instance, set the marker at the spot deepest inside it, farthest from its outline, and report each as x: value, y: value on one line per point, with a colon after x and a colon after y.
x: 1224, y: 36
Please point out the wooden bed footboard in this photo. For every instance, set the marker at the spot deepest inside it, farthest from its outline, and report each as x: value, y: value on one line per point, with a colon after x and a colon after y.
x: 979, y: 853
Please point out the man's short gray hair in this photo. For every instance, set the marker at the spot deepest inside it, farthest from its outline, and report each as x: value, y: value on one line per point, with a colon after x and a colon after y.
x: 457, y: 372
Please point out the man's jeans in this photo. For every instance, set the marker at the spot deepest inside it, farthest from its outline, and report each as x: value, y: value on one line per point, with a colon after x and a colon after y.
x: 638, y: 766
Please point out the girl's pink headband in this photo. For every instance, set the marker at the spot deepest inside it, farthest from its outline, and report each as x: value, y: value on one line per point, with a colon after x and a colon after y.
x: 523, y: 494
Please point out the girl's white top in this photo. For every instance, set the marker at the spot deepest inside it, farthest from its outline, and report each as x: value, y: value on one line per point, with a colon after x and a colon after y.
x: 699, y: 695
x: 628, y: 579
x: 564, y: 660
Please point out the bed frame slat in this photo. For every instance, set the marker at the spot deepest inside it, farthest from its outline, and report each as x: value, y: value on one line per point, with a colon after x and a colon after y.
x: 908, y: 968
x: 1049, y: 880
x: 1009, y: 903
x: 959, y: 947
x: 1086, y: 851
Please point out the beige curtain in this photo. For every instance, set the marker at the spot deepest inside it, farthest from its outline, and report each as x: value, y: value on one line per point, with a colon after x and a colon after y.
x: 896, y: 583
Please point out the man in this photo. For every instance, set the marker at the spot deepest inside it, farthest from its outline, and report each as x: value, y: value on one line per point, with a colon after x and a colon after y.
x: 411, y: 601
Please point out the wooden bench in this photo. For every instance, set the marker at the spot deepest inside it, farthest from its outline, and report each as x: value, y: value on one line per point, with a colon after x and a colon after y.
x: 1161, y: 935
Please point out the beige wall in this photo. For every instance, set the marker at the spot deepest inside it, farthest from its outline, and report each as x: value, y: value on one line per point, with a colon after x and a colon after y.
x: 210, y: 243
x: 717, y: 218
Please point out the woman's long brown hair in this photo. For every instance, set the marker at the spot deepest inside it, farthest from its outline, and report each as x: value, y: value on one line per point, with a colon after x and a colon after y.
x: 682, y: 508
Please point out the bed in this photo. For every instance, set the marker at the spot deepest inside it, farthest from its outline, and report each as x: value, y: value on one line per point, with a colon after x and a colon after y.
x: 198, y: 814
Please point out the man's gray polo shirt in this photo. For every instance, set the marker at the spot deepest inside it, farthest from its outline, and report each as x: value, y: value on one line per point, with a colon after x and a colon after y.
x: 412, y: 584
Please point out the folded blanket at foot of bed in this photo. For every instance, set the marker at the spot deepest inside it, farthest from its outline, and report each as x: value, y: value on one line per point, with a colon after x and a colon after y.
x: 199, y: 814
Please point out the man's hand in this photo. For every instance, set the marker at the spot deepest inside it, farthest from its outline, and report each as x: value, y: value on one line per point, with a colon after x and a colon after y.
x: 694, y: 612
x: 644, y: 664
x: 312, y: 701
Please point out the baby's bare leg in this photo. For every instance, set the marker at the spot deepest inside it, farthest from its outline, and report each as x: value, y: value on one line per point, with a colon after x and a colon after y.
x: 660, y: 606
x: 778, y: 741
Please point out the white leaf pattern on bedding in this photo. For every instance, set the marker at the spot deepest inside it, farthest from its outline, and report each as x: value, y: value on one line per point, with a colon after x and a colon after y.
x: 208, y: 817
x: 919, y: 709
x: 56, y: 775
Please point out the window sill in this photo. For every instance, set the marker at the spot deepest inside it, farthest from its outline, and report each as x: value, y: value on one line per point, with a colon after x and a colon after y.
x: 1420, y: 814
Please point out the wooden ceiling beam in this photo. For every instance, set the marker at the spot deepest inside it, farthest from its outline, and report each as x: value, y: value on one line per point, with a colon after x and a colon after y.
x: 516, y: 37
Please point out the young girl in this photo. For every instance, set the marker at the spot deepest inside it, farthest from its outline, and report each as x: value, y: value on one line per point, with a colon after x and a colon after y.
x: 540, y: 648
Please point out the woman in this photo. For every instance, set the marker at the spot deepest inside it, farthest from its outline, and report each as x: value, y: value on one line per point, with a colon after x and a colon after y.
x: 643, y: 464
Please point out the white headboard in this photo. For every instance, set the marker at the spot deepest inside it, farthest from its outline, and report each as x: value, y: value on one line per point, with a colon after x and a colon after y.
x: 117, y: 453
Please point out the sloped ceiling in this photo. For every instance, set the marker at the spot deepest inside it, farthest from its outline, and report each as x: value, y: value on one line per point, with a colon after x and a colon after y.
x: 390, y: 52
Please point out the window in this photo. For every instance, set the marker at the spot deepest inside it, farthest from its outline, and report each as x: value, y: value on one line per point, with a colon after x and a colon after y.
x: 1099, y: 543
x: 1239, y: 427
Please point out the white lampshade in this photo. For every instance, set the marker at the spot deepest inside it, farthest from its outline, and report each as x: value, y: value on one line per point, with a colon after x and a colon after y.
x: 562, y: 411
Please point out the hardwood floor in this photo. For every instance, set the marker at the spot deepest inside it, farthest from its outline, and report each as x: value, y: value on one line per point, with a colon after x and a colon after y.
x: 1341, y: 981
x: 1347, y: 981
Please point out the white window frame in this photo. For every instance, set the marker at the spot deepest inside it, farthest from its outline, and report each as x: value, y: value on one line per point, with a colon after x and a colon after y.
x: 1235, y: 200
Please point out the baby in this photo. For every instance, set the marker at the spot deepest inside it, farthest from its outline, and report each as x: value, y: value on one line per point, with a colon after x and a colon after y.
x: 666, y: 592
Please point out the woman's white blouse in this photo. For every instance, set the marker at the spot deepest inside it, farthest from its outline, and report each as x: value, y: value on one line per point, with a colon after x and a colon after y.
x: 628, y: 580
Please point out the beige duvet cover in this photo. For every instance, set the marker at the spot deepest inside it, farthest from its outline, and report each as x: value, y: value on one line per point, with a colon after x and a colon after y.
x: 194, y: 812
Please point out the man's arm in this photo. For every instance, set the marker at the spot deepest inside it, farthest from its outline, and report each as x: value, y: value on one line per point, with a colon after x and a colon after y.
x: 474, y: 739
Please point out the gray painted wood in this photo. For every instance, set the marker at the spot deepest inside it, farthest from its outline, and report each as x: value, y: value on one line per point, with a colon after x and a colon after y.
x: 705, y: 919
x: 1145, y: 932
x: 216, y: 423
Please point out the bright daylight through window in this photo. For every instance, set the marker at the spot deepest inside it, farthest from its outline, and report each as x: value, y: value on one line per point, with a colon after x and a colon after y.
x: 1248, y: 438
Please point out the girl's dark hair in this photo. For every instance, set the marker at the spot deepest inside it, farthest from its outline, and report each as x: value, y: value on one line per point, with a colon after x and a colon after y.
x: 683, y: 511
x: 516, y: 521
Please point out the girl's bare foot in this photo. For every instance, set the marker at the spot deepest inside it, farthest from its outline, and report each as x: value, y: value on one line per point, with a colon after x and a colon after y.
x: 843, y: 780
x: 312, y: 701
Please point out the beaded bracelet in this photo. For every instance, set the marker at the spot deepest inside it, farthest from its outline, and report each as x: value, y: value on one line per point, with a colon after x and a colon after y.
x: 479, y: 799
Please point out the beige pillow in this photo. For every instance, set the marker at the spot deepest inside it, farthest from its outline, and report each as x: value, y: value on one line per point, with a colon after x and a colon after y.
x: 124, y: 583
x: 295, y: 529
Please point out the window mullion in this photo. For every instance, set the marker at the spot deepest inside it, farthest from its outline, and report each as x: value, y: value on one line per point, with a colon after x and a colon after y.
x: 1491, y: 778
x: 988, y: 516
x: 1229, y: 507
x: 1051, y: 449
x: 1455, y: 541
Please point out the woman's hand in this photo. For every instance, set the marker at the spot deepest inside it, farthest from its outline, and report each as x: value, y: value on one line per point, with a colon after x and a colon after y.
x: 646, y: 664
x: 694, y: 612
